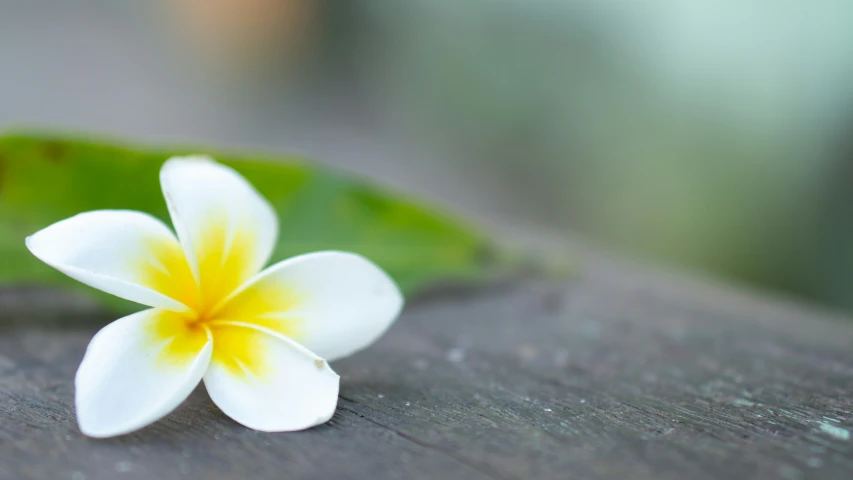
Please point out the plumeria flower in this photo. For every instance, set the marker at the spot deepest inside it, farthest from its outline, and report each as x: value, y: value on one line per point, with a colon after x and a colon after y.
x: 261, y: 340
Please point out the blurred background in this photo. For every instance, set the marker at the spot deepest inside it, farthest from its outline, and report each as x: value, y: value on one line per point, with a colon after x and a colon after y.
x: 712, y: 136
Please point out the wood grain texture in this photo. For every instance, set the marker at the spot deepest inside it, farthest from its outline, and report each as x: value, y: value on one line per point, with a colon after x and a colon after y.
x: 616, y: 374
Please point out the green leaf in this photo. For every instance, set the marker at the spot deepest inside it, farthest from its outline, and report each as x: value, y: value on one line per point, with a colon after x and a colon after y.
x: 44, y: 179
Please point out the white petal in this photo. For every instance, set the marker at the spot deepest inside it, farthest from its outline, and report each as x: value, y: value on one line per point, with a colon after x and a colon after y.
x: 128, y: 254
x: 267, y: 381
x: 226, y: 228
x: 333, y: 303
x: 138, y: 369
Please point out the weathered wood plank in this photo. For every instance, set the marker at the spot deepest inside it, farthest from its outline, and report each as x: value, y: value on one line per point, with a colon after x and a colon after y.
x: 617, y: 374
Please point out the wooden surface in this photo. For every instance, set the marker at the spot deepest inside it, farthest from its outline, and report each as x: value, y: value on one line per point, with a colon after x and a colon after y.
x: 615, y: 374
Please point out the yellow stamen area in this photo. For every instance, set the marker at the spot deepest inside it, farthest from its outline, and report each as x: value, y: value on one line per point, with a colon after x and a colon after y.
x: 179, y: 341
x: 225, y: 261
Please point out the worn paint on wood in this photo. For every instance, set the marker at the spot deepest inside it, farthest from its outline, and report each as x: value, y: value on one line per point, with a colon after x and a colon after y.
x: 617, y: 374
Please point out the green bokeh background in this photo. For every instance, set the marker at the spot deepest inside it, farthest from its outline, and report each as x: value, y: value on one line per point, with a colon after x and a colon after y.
x: 46, y: 178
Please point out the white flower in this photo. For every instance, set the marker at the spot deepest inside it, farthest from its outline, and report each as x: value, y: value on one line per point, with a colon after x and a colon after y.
x: 260, y: 340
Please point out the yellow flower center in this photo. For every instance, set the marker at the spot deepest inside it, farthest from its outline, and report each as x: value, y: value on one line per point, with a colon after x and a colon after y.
x: 224, y: 264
